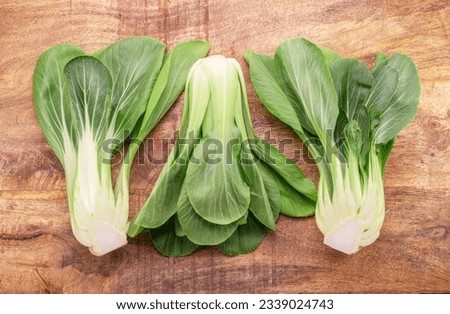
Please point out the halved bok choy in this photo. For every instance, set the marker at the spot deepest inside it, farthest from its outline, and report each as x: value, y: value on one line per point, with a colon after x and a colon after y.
x: 87, y: 105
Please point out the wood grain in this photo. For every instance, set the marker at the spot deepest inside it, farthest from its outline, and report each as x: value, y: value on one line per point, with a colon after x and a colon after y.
x: 38, y: 253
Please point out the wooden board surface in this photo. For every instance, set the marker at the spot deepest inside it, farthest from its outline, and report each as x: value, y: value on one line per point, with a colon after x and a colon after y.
x: 38, y: 253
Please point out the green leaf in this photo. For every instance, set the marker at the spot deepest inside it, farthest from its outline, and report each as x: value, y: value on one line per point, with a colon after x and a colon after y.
x: 178, y: 230
x: 52, y: 99
x: 89, y: 84
x: 199, y: 230
x: 384, y: 150
x: 168, y: 243
x: 339, y: 136
x: 329, y: 54
x: 365, y: 125
x: 135, y: 229
x: 259, y: 202
x: 403, y: 105
x: 383, y: 88
x: 291, y: 203
x: 243, y: 219
x: 162, y: 203
x: 353, y: 136
x: 285, y: 168
x: 245, y: 239
x: 215, y: 184
x: 263, y: 74
x: 307, y: 74
x: 134, y: 63
x: 195, y: 105
x: 272, y: 189
x: 170, y: 82
x: 352, y: 80
x: 381, y: 57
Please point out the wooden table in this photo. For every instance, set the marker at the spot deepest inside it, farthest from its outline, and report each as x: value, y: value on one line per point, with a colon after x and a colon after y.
x: 38, y: 253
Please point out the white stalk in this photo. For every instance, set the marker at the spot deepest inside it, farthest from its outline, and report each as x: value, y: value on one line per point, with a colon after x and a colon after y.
x: 350, y: 210
x: 97, y: 221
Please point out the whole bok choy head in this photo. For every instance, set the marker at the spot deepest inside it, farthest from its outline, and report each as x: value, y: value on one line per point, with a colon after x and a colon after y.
x: 87, y: 106
x: 221, y: 184
x: 349, y: 118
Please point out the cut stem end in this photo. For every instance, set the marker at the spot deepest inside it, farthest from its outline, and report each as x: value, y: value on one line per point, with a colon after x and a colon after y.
x: 345, y: 238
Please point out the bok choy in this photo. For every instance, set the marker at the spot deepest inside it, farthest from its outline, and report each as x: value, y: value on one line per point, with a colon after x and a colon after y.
x: 87, y: 105
x: 221, y: 185
x: 349, y: 117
